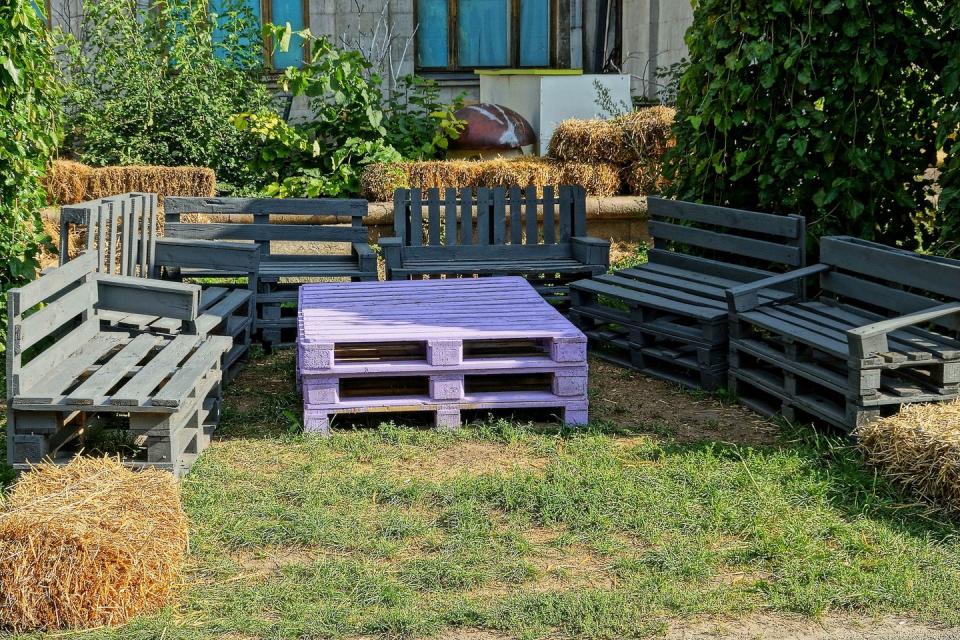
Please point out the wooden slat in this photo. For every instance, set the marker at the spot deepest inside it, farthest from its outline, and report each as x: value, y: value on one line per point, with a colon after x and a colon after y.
x: 215, y: 314
x: 516, y: 216
x: 107, y: 376
x: 433, y: 216
x: 706, y: 265
x: 206, y: 254
x: 176, y: 205
x: 579, y: 196
x: 483, y: 216
x: 734, y: 245
x: 566, y: 215
x: 52, y: 282
x: 450, y: 216
x: 499, y: 219
x: 488, y: 252
x: 533, y: 237
x: 466, y: 216
x: 138, y: 388
x: 416, y: 218
x: 549, y: 235
x: 937, y: 275
x: 47, y: 320
x: 778, y: 225
x: 874, y: 293
x: 148, y: 297
x: 182, y: 383
x: 113, y: 255
x: 47, y: 375
x: 264, y: 232
x: 401, y: 204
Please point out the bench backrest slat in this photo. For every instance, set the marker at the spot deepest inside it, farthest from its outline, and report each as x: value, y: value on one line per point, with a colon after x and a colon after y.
x: 69, y: 295
x: 483, y: 216
x: 893, y: 279
x: 761, y: 243
x: 177, y: 205
x: 263, y: 232
x: 120, y: 229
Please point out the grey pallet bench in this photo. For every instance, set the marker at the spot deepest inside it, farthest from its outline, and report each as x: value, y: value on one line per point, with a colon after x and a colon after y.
x: 882, y: 333
x: 495, y: 232
x: 668, y: 317
x: 68, y: 378
x: 280, y: 272
x: 122, y: 230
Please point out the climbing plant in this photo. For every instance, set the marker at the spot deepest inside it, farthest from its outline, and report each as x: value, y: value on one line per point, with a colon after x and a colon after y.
x: 820, y: 107
x: 29, y: 135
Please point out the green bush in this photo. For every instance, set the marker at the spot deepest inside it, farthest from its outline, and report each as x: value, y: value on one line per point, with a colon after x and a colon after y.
x: 948, y: 218
x: 29, y: 135
x: 818, y: 107
x: 352, y: 124
x: 152, y: 87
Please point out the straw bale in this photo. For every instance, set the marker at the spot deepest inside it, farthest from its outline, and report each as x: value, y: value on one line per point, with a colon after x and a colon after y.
x: 88, y: 544
x: 380, y: 180
x: 919, y: 448
x: 66, y: 182
x: 198, y: 182
x: 644, y: 134
x: 644, y: 178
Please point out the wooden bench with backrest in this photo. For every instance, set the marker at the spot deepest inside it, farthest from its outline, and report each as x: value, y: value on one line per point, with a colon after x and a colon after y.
x: 668, y: 317
x: 122, y: 231
x: 70, y: 381
x: 881, y: 333
x: 495, y: 232
x: 266, y: 222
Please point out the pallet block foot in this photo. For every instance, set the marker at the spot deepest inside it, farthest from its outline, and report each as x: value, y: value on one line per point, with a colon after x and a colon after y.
x: 317, y: 424
x: 447, y: 419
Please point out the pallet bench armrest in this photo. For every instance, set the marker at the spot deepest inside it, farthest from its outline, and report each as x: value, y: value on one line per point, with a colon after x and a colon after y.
x: 207, y: 254
x: 148, y: 297
x: 745, y: 297
x: 872, y: 338
x: 392, y: 253
x: 590, y: 250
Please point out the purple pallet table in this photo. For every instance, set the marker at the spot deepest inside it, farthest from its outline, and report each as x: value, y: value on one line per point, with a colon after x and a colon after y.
x: 436, y: 345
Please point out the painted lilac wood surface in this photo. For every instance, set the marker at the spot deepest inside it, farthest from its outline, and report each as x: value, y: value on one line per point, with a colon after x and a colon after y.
x: 440, y: 315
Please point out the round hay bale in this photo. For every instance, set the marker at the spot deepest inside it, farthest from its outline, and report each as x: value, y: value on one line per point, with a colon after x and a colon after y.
x: 644, y: 178
x: 88, y: 544
x: 918, y: 448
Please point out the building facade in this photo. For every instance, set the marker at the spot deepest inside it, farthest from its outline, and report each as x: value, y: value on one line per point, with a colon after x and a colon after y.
x: 448, y: 40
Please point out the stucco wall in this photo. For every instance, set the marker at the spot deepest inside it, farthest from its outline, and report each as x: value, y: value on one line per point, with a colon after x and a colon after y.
x: 653, y: 32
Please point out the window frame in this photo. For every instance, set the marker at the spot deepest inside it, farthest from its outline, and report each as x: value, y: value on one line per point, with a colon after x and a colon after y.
x: 513, y: 40
x: 266, y: 16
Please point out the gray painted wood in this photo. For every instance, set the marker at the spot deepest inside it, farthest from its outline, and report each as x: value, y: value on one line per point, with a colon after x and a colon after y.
x: 139, y: 387
x: 789, y: 227
x: 734, y: 245
x: 265, y: 232
x: 174, y: 206
x: 149, y: 297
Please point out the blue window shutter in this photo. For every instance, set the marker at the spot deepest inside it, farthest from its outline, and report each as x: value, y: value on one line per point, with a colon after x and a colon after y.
x: 282, y: 12
x: 483, y: 27
x: 432, y: 33
x: 535, y: 33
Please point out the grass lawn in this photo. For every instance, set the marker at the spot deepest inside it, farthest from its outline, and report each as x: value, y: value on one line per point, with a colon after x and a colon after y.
x: 671, y: 511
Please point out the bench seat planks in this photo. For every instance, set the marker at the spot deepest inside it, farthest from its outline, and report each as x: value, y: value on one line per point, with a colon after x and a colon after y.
x: 882, y: 333
x: 668, y: 317
x: 441, y: 346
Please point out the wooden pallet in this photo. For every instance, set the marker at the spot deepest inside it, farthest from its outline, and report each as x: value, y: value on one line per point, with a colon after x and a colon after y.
x: 495, y: 232
x: 436, y: 345
x: 122, y: 230
x: 669, y: 317
x: 278, y: 273
x: 883, y: 333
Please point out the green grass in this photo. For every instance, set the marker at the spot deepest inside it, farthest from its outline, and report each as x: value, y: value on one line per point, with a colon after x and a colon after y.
x: 533, y: 531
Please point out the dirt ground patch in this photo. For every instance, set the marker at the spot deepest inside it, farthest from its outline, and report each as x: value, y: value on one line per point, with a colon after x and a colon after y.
x: 635, y: 402
x: 831, y: 627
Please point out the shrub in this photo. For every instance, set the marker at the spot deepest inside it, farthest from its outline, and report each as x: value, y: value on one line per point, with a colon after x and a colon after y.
x: 349, y: 129
x: 948, y: 214
x: 29, y: 134
x: 152, y: 87
x: 822, y: 107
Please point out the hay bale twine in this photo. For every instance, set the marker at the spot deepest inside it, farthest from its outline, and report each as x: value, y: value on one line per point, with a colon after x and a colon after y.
x: 918, y: 448
x: 88, y: 544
